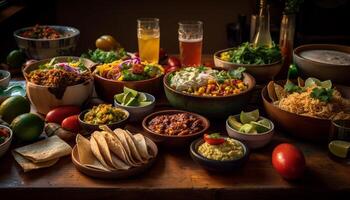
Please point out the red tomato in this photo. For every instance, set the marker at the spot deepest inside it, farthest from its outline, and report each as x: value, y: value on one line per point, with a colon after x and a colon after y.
x: 58, y: 114
x: 173, y: 61
x: 71, y: 124
x: 168, y: 68
x: 288, y: 161
x: 213, y: 139
x: 137, y: 69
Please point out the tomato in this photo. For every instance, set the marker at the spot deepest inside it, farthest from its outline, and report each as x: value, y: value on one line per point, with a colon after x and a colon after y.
x: 173, y: 61
x: 71, y: 124
x: 288, y: 161
x: 168, y: 68
x: 57, y: 115
x: 214, y: 139
x: 107, y: 43
x: 137, y: 69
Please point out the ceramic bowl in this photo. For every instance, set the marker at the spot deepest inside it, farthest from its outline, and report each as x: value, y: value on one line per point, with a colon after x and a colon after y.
x: 213, y: 107
x: 89, y: 128
x: 107, y: 88
x: 6, y: 145
x: 252, y: 141
x: 262, y: 73
x: 322, y: 71
x: 137, y: 113
x: 5, y: 79
x: 216, y: 165
x: 173, y: 141
x: 48, y: 48
x: 44, y: 98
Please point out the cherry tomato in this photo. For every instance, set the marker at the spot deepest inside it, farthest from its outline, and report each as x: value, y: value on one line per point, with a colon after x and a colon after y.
x: 168, y: 68
x: 57, y: 115
x: 173, y: 61
x: 71, y: 124
x: 214, y: 139
x: 288, y: 161
x: 107, y: 43
x: 137, y: 69
x: 4, y: 132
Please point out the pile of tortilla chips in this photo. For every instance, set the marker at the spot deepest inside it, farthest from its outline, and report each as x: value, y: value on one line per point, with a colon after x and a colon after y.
x: 109, y: 150
x: 44, y: 153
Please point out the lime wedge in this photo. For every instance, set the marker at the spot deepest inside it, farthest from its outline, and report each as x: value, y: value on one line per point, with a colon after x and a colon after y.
x: 312, y: 82
x: 247, y: 128
x: 234, y: 123
x: 265, y: 122
x: 119, y: 97
x: 128, y: 90
x: 126, y: 98
x: 132, y: 102
x: 260, y: 128
x: 247, y: 117
x: 144, y: 103
x: 141, y: 97
x: 339, y: 148
x: 326, y: 84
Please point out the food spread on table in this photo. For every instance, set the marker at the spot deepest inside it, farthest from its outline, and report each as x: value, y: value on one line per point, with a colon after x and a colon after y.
x: 205, y: 81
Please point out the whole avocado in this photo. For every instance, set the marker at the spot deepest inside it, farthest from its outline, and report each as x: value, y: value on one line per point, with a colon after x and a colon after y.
x: 27, y: 127
x: 14, y: 106
x: 15, y: 59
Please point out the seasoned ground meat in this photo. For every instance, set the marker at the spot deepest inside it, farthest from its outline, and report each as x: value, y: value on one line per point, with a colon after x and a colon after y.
x: 176, y: 124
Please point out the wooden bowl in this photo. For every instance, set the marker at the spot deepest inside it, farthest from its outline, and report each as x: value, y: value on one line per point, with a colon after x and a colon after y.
x: 262, y: 73
x: 116, y: 174
x: 304, y: 127
x: 173, y: 141
x: 107, y: 88
x: 322, y: 71
x: 45, y: 99
x: 209, y: 106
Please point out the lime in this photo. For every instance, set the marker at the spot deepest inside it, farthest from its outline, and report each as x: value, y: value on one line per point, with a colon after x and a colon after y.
x: 265, y: 122
x: 126, y: 98
x: 128, y: 90
x: 16, y: 58
x: 339, y: 148
x: 14, y: 106
x: 247, y: 117
x: 326, y: 84
x: 234, y: 123
x: 260, y: 128
x: 144, y: 103
x: 141, y: 97
x: 247, y: 128
x: 132, y: 101
x: 312, y: 82
x: 119, y: 97
x: 27, y: 127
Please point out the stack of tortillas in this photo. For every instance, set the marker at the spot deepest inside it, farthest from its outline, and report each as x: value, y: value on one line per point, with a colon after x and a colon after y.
x: 44, y: 153
x: 109, y: 150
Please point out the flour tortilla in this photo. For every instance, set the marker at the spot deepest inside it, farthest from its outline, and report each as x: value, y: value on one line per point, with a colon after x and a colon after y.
x: 121, y: 136
x: 96, y: 151
x: 141, y: 145
x: 134, y: 150
x: 86, y: 156
x: 28, y: 165
x: 45, y: 150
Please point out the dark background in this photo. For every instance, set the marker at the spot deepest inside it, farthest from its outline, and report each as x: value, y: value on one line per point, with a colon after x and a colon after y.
x: 319, y: 21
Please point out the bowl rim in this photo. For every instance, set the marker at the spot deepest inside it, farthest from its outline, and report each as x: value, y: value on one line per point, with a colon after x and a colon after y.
x: 153, y: 100
x: 216, y: 56
x: 7, y: 74
x: 245, y: 75
x: 195, y: 152
x: 173, y: 111
x: 75, y: 33
x: 301, y: 48
x: 25, y: 73
x: 8, y: 139
x: 253, y: 135
x: 80, y: 119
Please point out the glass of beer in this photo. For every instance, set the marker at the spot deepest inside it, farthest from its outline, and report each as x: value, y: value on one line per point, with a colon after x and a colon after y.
x: 190, y: 42
x: 148, y: 34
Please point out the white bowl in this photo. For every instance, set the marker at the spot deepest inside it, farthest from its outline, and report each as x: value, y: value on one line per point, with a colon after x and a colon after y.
x: 137, y: 113
x: 253, y: 141
x: 4, y: 82
x: 6, y: 145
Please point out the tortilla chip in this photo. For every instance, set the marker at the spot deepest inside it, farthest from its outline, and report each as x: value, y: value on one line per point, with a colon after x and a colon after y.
x: 45, y: 150
x: 141, y: 145
x: 28, y: 165
x: 86, y: 156
x: 271, y: 91
x: 280, y: 93
x: 96, y: 151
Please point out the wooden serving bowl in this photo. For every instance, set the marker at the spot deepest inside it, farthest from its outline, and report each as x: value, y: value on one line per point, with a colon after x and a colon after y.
x: 45, y: 98
x: 262, y: 73
x: 173, y: 141
x: 107, y: 88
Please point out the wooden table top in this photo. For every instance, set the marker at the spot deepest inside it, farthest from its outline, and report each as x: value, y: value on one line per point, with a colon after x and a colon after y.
x: 176, y: 176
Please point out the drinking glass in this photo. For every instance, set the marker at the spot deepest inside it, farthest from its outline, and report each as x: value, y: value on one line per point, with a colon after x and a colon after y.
x: 148, y: 34
x: 339, y: 140
x: 190, y: 42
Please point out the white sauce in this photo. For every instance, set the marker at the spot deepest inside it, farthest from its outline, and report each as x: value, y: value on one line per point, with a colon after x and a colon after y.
x: 327, y: 56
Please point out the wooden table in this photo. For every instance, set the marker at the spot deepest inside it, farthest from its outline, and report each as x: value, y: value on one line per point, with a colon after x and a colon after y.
x: 176, y: 176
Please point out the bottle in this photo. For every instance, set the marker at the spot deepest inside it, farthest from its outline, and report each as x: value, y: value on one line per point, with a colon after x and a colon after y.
x: 263, y: 35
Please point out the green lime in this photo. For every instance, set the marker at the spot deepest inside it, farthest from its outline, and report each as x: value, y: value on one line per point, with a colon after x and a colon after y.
x: 141, y: 97
x: 15, y: 58
x: 260, y: 128
x: 132, y: 102
x: 119, y: 97
x: 126, y: 98
x: 247, y: 117
x: 339, y: 148
x: 311, y: 82
x: 247, y: 128
x: 128, y: 90
x: 14, y: 106
x: 234, y: 123
x: 326, y: 84
x: 265, y: 122
x: 27, y: 127
x: 144, y: 103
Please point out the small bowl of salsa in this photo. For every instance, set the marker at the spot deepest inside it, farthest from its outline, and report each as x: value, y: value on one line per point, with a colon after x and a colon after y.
x: 5, y: 139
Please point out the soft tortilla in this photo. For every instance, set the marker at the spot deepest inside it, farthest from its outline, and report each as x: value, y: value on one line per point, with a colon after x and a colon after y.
x: 45, y: 150
x: 134, y: 151
x: 86, y: 156
x: 141, y: 145
x: 28, y: 165
x: 122, y: 137
x: 96, y: 151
